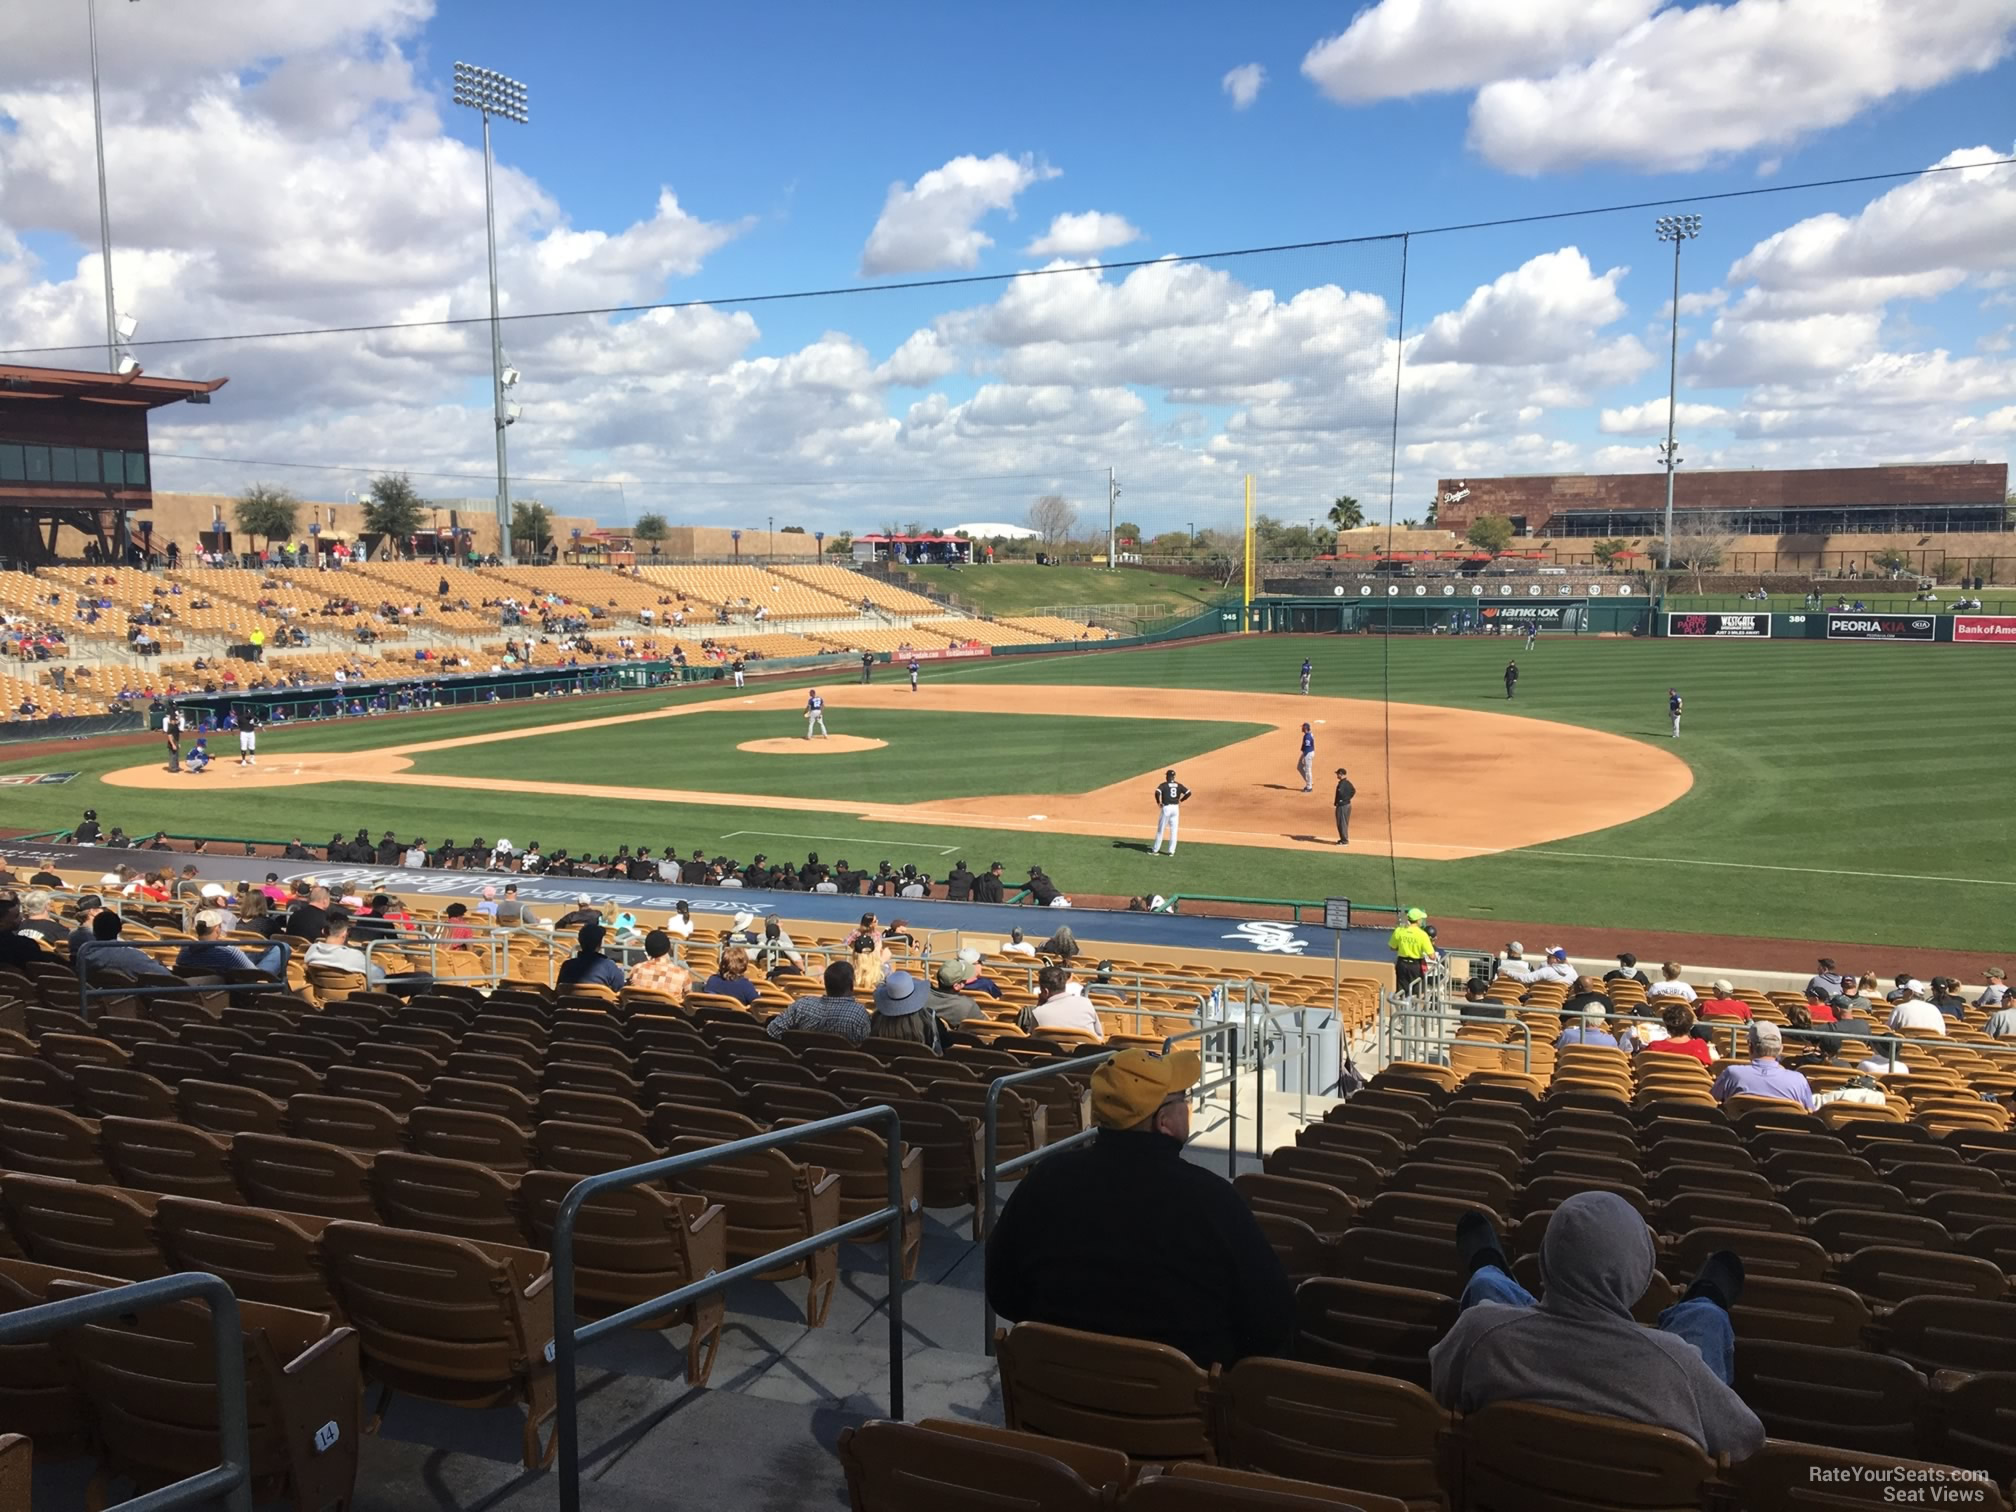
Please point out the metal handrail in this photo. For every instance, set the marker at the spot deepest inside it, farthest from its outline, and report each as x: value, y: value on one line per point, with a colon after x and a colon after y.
x: 1437, y: 1015
x: 994, y: 1168
x: 230, y: 1483
x: 1295, y: 905
x: 1202, y: 1034
x: 170, y: 985
x: 569, y: 1336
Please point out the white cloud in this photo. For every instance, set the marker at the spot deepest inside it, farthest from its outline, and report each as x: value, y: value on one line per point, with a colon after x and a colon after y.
x: 1649, y: 418
x: 1243, y: 84
x: 934, y: 223
x: 1698, y: 83
x: 1405, y: 47
x: 1917, y: 241
x: 1084, y: 234
x: 1542, y: 311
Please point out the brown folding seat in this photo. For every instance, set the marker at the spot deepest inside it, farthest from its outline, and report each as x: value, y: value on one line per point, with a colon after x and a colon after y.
x: 1751, y: 1114
x: 274, y: 1075
x: 389, y: 1089
x: 1811, y: 1196
x: 633, y: 1244
x: 440, y: 1196
x: 1192, y: 1486
x: 571, y: 1106
x: 175, y: 1063
x: 1353, y: 1175
x: 1143, y: 1399
x: 1714, y: 1210
x: 1961, y: 1211
x: 777, y: 1103
x: 1421, y: 1213
x: 891, y: 1466
x: 579, y: 1077
x: 1021, y: 1124
x: 343, y: 1029
x: 1848, y: 1398
x: 103, y: 1230
x: 589, y: 1149
x: 1405, y: 1125
x: 825, y: 1061
x: 421, y: 1064
x: 672, y: 1121
x: 1559, y: 1119
x: 263, y: 1022
x: 126, y: 1033
x: 39, y: 1394
x: 1667, y: 1181
x: 484, y: 1097
x: 30, y: 1079
x: 1516, y: 1456
x: 1784, y: 1167
x: 449, y: 1320
x: 772, y: 1201
x: 441, y: 1043
x: 1302, y: 1252
x: 1481, y: 1130
x: 120, y: 1091
x: 487, y: 1139
x: 219, y: 1039
x: 69, y: 1051
x: 1996, y: 1242
x: 45, y: 1141
x: 1399, y: 1257
x: 153, y: 1392
x: 951, y: 1147
x: 1333, y: 1427
x: 658, y: 1032
x: 506, y: 1069
x: 864, y: 1087
x: 1799, y: 1312
x: 318, y: 1052
x: 478, y: 1041
x: 678, y: 1063
x: 354, y: 1123
x: 1894, y: 1273
x: 1783, y: 1476
x: 1843, y: 1231
x: 859, y: 1157
x: 1325, y: 1209
x: 1374, y: 1146
x: 1585, y: 1164
x: 1435, y: 1150
x: 748, y: 1074
x: 1921, y: 1179
x: 303, y: 1176
x: 224, y: 1108
x: 1790, y: 1257
x: 1975, y: 1425
x: 707, y: 1091
x: 170, y: 1159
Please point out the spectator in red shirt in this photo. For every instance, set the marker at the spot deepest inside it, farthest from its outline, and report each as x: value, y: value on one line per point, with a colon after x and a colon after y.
x: 1679, y: 1021
x: 1725, y: 1003
x: 1820, y: 1004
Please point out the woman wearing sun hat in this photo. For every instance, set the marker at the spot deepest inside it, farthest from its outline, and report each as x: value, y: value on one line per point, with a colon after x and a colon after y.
x: 903, y: 1011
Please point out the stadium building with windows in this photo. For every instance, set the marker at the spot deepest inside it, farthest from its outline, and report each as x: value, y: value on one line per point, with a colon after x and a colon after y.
x: 1917, y: 498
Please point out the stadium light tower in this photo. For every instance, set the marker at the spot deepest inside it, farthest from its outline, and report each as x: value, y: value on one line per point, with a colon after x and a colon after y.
x: 112, y: 358
x: 1677, y: 229
x: 492, y: 93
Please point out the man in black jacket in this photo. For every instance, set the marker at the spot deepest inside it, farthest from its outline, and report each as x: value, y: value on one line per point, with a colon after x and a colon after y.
x: 1042, y: 891
x: 958, y: 883
x: 987, y: 886
x: 1126, y: 1237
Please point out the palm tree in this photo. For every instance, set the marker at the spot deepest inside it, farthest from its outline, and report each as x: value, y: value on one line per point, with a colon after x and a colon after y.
x: 1345, y: 513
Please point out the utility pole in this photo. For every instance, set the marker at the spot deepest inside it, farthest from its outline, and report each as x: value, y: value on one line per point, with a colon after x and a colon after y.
x: 1677, y: 229
x: 1112, y: 499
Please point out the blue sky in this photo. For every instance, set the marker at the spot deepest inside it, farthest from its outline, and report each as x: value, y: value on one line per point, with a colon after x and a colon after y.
x: 278, y: 163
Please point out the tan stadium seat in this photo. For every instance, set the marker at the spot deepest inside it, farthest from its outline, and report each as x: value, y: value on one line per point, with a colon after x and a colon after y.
x: 772, y: 1201
x: 276, y: 1076
x: 1326, y: 1210
x: 303, y: 1176
x: 104, y: 1230
x: 170, y: 1159
x: 1847, y: 1398
x: 438, y: 1196
x: 1782, y: 1477
x: 898, y: 1467
x: 1976, y: 1425
x: 39, y: 1395
x: 566, y: 1105
x: 1948, y: 1333
x: 150, y: 1379
x: 389, y: 1089
x: 636, y: 1243
x: 224, y: 1108
x: 1519, y: 1458
x: 1364, y: 1326
x: 1141, y: 1398
x: 859, y: 1157
x: 589, y: 1149
x: 27, y: 1079
x: 1799, y: 1312
x: 1333, y: 1427
x: 1192, y: 1487
x: 487, y: 1139
x: 1889, y: 1274
x: 1354, y: 1175
x: 352, y: 1123
x: 482, y: 1097
x: 69, y: 1051
x: 45, y: 1141
x: 109, y: 1091
x: 1375, y: 1147
x: 261, y: 1255
x: 449, y: 1320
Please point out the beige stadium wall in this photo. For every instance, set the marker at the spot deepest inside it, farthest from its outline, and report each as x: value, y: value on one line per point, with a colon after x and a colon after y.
x: 693, y: 543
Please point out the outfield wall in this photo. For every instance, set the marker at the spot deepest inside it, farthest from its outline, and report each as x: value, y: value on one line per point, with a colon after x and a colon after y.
x: 1842, y: 625
x: 1453, y: 608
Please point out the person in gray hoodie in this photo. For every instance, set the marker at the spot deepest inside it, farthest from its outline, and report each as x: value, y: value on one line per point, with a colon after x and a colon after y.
x: 1579, y: 1349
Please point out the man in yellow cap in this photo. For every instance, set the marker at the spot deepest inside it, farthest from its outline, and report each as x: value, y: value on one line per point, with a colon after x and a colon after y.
x: 1124, y: 1236
x: 1411, y: 947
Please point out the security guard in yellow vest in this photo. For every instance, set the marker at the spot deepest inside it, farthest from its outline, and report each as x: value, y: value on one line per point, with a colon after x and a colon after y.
x: 1411, y: 949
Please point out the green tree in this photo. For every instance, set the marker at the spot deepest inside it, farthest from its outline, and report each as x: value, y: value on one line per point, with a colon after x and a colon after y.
x: 1345, y: 513
x: 652, y: 530
x: 266, y: 512
x: 1891, y: 559
x: 531, y: 526
x: 1608, y: 551
x: 781, y: 529
x: 1126, y: 531
x: 393, y: 508
x: 840, y: 545
x: 1492, y: 533
x: 1410, y: 524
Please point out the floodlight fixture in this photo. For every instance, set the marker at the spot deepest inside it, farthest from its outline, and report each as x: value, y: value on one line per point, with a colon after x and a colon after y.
x: 1679, y: 230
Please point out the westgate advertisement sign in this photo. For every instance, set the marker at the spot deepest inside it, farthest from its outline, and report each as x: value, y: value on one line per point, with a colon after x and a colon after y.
x: 1882, y: 627
x: 1725, y: 626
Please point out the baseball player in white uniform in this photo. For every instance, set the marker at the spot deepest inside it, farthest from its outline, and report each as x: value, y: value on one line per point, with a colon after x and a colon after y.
x: 248, y: 743
x: 1170, y: 795
x: 815, y: 713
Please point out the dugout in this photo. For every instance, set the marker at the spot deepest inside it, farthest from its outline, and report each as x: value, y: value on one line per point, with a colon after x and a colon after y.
x: 1453, y: 609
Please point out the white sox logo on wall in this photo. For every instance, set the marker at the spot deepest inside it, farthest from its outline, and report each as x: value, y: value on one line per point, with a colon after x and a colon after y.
x: 1270, y: 936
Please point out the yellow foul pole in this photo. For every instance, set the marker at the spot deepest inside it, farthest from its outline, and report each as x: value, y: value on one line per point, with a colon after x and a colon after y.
x: 1246, y: 607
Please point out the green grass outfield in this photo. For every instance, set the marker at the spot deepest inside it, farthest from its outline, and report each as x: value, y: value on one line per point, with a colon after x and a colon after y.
x: 1018, y: 587
x: 1842, y: 791
x: 928, y: 755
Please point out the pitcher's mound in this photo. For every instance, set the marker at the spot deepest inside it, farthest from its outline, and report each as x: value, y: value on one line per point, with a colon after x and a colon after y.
x: 825, y: 745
